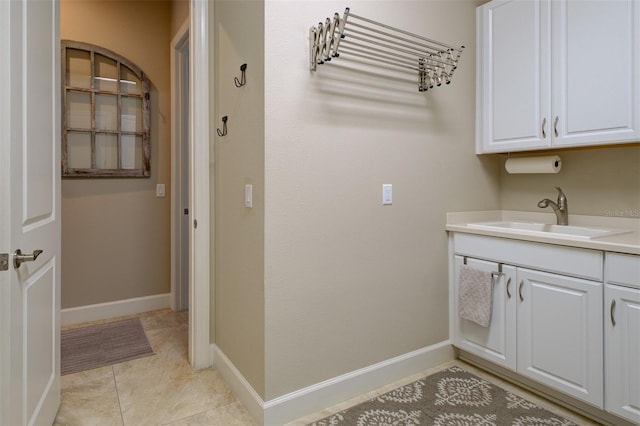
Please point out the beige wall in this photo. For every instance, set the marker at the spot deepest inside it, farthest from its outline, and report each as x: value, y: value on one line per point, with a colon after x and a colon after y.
x: 319, y: 279
x: 238, y: 322
x: 179, y: 14
x: 115, y: 232
x: 349, y: 282
x: 597, y: 182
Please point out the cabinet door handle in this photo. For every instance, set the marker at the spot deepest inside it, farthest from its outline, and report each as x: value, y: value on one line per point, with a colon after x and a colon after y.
x: 555, y: 126
x: 507, y: 287
x: 612, y: 311
x: 544, y: 124
x: 520, y: 291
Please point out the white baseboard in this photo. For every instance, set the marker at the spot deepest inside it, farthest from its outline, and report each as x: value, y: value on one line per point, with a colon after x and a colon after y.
x: 117, y: 308
x: 245, y: 393
x: 311, y: 399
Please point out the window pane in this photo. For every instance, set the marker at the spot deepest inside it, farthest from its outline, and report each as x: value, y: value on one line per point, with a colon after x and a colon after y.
x: 78, y: 150
x: 78, y: 110
x: 78, y: 68
x: 106, y: 151
x: 106, y: 112
x: 131, y: 120
x: 106, y: 73
x: 129, y: 83
x: 131, y: 152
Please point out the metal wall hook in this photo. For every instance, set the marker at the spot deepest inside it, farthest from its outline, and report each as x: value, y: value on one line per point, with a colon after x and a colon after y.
x: 224, y: 127
x: 243, y: 77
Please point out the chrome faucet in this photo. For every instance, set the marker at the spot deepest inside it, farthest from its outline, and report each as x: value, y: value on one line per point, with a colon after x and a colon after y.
x: 561, y: 208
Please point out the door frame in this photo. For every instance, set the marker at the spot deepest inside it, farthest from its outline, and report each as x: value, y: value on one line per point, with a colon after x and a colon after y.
x: 201, y: 250
x: 179, y: 173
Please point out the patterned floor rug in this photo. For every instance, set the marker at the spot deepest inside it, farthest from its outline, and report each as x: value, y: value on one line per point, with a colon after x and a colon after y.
x: 95, y: 346
x: 452, y: 397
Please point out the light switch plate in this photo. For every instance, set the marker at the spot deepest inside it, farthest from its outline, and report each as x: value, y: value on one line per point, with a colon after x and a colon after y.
x: 160, y: 190
x: 248, y: 196
x: 387, y: 194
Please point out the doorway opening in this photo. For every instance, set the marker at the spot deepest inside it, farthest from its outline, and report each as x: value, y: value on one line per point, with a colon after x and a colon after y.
x: 180, y: 169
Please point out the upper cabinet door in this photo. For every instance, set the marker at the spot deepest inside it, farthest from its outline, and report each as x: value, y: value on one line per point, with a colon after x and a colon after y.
x: 595, y: 89
x: 513, y: 76
x: 557, y: 74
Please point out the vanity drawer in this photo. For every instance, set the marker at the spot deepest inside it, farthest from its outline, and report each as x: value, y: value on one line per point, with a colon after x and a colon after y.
x: 622, y: 269
x: 577, y: 262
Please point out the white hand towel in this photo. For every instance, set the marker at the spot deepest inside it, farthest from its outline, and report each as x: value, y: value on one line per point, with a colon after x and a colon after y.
x: 475, y: 293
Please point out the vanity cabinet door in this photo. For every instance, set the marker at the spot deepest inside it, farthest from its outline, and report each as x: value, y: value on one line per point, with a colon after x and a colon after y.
x: 496, y: 343
x: 559, y: 333
x: 622, y: 351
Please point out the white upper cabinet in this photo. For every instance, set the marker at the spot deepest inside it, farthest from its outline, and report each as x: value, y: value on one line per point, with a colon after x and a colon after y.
x: 514, y: 76
x: 557, y: 73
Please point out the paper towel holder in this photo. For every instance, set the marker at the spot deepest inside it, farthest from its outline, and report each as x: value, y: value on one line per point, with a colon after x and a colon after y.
x: 533, y: 164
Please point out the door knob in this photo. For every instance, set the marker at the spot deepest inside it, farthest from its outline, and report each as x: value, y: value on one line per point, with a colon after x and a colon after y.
x: 18, y: 257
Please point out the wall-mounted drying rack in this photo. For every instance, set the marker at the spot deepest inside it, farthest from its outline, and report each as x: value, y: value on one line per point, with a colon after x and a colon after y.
x: 363, y: 38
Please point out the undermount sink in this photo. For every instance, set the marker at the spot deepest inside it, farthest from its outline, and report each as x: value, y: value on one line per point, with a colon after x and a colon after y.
x: 534, y: 228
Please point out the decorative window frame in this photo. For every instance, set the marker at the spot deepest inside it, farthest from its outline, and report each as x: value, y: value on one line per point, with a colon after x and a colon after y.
x: 142, y: 168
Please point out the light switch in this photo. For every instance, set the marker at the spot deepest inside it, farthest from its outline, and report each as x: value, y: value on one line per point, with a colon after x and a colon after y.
x: 387, y: 194
x: 160, y: 190
x: 248, y: 196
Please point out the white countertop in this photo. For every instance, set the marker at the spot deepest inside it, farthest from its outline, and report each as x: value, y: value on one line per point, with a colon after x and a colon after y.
x: 628, y: 243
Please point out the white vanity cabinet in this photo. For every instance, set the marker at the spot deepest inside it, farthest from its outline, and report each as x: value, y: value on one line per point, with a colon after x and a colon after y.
x: 496, y: 343
x: 547, y: 312
x: 622, y: 335
x: 559, y: 329
x: 557, y: 73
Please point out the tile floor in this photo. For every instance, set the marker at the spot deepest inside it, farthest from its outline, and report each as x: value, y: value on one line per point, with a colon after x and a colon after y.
x: 162, y: 389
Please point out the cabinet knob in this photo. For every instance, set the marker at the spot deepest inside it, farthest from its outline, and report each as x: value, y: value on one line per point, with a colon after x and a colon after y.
x: 544, y: 125
x: 555, y: 126
x: 507, y: 288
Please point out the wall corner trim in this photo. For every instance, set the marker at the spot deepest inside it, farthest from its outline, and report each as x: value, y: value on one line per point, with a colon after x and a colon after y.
x: 243, y: 390
x: 305, y: 401
x: 117, y: 308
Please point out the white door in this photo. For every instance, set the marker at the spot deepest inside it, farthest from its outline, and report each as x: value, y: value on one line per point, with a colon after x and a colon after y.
x: 622, y: 351
x: 30, y: 211
x: 496, y: 343
x: 184, y: 175
x: 560, y: 333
